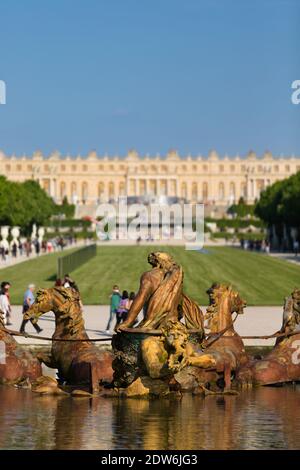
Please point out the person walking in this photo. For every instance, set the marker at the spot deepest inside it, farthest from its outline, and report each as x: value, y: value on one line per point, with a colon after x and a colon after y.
x: 128, y: 305
x: 115, y: 298
x: 122, y: 309
x: 68, y: 282
x: 5, y: 302
x: 28, y: 301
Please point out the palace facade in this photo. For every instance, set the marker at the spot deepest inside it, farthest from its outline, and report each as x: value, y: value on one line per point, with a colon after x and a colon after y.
x: 93, y: 179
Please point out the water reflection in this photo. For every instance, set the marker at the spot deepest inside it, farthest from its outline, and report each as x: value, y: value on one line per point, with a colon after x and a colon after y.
x: 263, y: 418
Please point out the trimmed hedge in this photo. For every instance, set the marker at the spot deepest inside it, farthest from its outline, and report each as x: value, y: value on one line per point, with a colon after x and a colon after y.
x: 70, y: 223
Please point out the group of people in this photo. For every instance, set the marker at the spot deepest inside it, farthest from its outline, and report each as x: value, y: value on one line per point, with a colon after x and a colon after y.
x: 66, y: 282
x: 119, y: 303
x: 256, y: 245
x: 119, y: 306
x: 28, y: 247
x: 28, y: 300
x: 5, y: 304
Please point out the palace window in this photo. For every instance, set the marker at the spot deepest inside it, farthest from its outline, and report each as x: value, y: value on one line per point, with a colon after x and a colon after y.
x: 19, y: 167
x: 29, y: 167
x: 243, y: 189
x: 73, y: 167
x: 101, y: 168
x: 205, y: 191
x: 276, y: 168
x: 183, y: 168
x: 221, y: 191
x: 232, y: 168
x: 205, y: 167
x: 73, y: 189
x: 287, y: 167
x: 84, y: 167
x: 232, y: 190
x: 46, y: 168
x: 121, y: 189
x: 221, y: 168
x: 111, y: 190
x: 100, y: 189
x: 194, y: 191
x: 62, y: 189
x: 62, y: 167
x: 84, y: 192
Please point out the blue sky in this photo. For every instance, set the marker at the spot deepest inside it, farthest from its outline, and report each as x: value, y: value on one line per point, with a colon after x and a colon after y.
x: 152, y: 75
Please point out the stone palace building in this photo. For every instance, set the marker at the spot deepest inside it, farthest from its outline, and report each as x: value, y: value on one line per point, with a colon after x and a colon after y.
x: 93, y: 179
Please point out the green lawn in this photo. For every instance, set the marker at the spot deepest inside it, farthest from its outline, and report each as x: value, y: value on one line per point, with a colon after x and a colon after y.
x: 260, y: 279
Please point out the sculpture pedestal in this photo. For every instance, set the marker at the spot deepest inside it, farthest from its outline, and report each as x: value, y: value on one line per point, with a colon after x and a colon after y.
x: 128, y: 363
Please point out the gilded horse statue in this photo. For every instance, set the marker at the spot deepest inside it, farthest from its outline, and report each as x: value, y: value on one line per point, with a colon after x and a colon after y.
x: 16, y: 364
x: 223, y: 352
x: 282, y: 364
x: 77, y: 361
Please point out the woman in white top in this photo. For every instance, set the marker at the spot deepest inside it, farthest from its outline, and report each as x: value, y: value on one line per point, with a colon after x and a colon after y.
x: 5, y: 303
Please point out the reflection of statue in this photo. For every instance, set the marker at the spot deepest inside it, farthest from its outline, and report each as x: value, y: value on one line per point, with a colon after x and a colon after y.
x: 16, y: 363
x: 283, y: 362
x: 76, y: 361
x: 161, y: 297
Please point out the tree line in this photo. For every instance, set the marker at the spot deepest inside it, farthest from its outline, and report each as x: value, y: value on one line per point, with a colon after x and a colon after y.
x: 279, y: 204
x: 25, y: 204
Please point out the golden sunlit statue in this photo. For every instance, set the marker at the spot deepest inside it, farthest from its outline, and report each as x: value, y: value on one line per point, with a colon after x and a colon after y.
x: 161, y: 298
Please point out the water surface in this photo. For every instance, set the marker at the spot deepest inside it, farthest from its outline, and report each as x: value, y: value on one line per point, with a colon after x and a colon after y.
x: 264, y: 418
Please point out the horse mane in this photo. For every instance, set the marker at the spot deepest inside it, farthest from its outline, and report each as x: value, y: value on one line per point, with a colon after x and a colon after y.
x: 293, y: 321
x: 2, y: 325
x: 67, y: 304
x: 213, y: 309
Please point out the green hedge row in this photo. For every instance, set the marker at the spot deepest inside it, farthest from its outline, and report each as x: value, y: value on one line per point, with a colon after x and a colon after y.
x: 70, y: 223
x: 239, y: 236
x: 236, y: 223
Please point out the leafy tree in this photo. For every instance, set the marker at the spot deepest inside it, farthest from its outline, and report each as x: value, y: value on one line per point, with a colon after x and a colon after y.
x: 241, y: 209
x: 24, y: 204
x: 65, y: 208
x: 280, y: 203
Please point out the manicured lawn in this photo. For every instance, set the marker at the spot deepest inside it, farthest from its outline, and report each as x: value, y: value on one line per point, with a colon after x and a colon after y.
x: 260, y: 279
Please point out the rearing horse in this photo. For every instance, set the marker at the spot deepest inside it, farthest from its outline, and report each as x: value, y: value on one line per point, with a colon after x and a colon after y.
x: 76, y: 361
x: 224, y: 351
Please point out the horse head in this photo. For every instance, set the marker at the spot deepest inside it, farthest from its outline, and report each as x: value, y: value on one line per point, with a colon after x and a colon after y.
x: 63, y: 302
x: 291, y: 312
x: 223, y: 302
x: 43, y: 304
